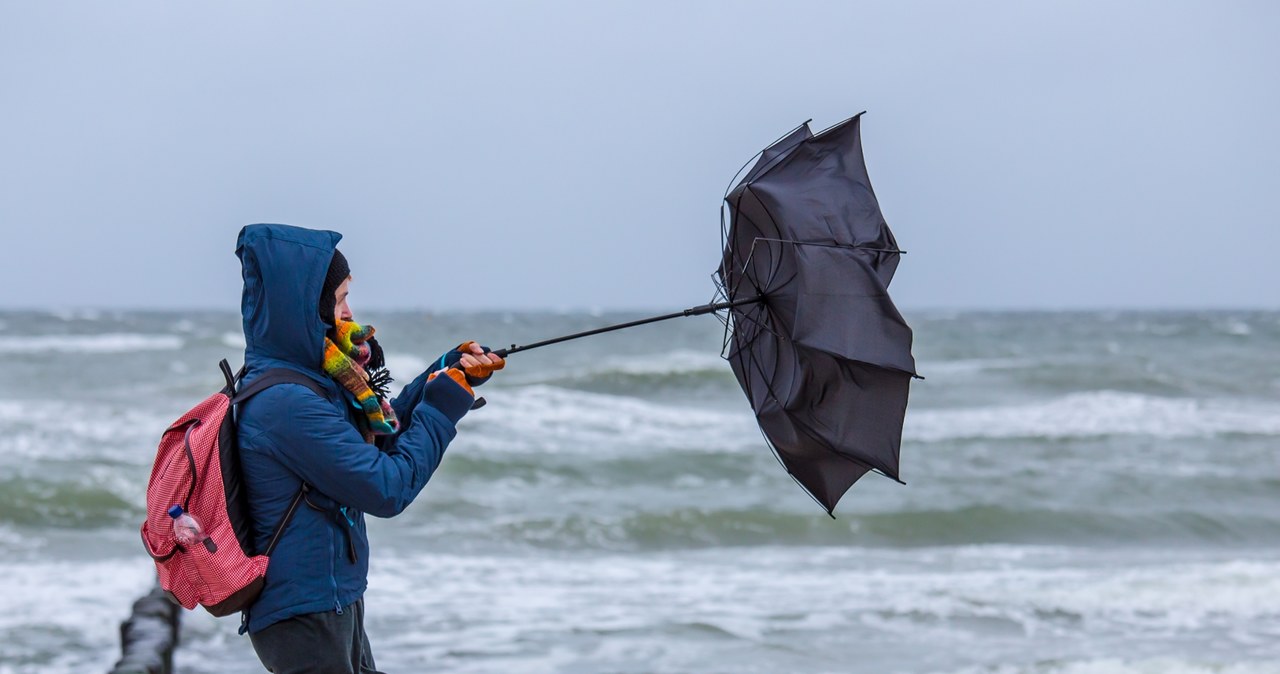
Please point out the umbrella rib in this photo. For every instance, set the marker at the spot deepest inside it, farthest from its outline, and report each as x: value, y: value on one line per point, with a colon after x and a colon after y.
x: 738, y: 221
x: 724, y: 240
x: 777, y: 454
x: 769, y: 213
x: 761, y: 325
x: 807, y: 429
x: 839, y: 123
x: 761, y: 152
x: 773, y: 274
x: 742, y: 275
x: 726, y: 336
x: 833, y: 245
x: 774, y: 266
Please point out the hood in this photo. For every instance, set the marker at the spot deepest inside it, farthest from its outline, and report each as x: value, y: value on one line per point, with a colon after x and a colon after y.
x: 284, y: 269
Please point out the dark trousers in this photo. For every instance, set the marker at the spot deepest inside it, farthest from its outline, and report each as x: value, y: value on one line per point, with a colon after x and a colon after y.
x: 317, y: 643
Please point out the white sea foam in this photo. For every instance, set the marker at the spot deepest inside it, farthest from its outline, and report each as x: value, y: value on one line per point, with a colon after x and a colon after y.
x: 543, y: 614
x: 674, y: 362
x: 1095, y: 414
x: 970, y: 366
x: 1235, y: 326
x: 65, y: 615
x: 653, y: 365
x: 551, y: 419
x: 40, y: 429
x: 565, y: 613
x: 404, y: 367
x: 234, y: 340
x: 1120, y: 666
x: 68, y: 315
x: 104, y: 343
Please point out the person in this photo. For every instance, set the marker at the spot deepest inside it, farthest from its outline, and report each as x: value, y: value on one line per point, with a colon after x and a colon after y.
x: 356, y: 452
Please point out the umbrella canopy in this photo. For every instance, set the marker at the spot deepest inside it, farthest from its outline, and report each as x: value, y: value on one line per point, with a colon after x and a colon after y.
x: 823, y: 355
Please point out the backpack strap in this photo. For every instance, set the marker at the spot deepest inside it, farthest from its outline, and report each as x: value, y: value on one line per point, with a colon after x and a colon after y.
x: 271, y: 378
x: 230, y: 389
x: 288, y: 516
x: 267, y: 380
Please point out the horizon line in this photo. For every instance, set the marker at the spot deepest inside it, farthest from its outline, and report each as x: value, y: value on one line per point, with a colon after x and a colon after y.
x: 589, y: 309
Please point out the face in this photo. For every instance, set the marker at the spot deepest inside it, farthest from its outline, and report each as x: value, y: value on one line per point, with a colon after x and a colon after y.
x: 341, y: 311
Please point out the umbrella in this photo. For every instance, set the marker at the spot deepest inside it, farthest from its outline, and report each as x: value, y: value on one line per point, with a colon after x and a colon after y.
x: 823, y: 356
x: 810, y: 332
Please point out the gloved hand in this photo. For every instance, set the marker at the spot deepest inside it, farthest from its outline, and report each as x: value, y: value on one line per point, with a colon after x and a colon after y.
x: 477, y: 361
x: 456, y: 375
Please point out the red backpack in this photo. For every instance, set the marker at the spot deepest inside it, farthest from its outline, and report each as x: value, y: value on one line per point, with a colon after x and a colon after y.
x: 198, y: 467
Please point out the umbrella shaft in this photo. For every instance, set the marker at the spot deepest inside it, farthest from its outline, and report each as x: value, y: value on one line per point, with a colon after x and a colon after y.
x: 692, y: 311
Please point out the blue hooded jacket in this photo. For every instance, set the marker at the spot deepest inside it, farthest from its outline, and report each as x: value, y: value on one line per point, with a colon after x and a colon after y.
x: 288, y: 434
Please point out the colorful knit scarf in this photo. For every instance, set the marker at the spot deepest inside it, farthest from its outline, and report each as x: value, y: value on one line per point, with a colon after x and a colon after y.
x: 348, y: 350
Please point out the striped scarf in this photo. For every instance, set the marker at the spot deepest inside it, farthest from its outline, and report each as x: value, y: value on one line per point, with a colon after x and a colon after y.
x: 348, y: 350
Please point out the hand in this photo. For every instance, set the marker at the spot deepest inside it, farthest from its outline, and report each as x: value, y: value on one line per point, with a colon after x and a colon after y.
x: 478, y: 362
x: 458, y: 376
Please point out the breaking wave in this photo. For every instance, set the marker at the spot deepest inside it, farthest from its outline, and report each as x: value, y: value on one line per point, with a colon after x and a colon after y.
x: 104, y: 343
x: 1095, y: 414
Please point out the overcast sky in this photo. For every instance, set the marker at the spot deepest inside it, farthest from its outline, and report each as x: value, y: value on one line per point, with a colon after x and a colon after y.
x: 573, y: 155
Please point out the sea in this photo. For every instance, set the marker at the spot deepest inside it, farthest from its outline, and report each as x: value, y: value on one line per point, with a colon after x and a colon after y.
x: 1086, y: 493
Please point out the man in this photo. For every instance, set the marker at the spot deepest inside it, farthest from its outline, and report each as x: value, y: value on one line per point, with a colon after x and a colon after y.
x: 354, y: 451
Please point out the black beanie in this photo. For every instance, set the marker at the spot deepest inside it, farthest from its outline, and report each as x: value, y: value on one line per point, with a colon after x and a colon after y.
x: 338, y: 272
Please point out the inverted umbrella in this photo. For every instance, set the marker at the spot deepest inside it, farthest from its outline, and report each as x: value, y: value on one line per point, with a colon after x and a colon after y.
x: 823, y: 356
x: 818, y: 347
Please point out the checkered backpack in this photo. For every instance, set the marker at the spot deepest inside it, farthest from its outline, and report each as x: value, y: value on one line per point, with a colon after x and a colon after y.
x: 198, y: 467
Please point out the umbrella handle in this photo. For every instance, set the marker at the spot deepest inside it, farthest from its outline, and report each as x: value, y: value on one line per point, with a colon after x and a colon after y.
x: 480, y: 401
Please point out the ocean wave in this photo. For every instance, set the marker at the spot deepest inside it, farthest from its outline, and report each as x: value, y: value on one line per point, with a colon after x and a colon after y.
x: 1125, y: 666
x: 646, y: 376
x: 1235, y: 327
x: 403, y: 368
x: 762, y: 599
x: 62, y: 616
x: 79, y: 503
x: 61, y: 431
x: 551, y: 419
x: 969, y: 366
x: 104, y: 343
x: 69, y: 315
x: 758, y: 609
x: 689, y: 527
x: 1096, y: 414
x: 671, y: 362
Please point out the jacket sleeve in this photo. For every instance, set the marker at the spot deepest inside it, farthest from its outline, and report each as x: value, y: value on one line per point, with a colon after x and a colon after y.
x: 310, y: 437
x: 404, y: 403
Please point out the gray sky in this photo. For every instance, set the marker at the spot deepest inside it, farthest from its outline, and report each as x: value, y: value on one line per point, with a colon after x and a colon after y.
x: 573, y: 155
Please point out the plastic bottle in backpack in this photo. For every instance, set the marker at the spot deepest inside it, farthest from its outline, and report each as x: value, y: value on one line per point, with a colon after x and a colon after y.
x: 187, y: 530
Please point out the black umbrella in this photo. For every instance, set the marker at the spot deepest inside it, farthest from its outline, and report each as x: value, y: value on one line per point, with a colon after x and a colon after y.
x: 810, y: 331
x: 824, y: 356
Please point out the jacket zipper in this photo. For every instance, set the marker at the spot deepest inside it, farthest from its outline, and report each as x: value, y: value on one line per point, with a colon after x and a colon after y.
x: 333, y: 578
